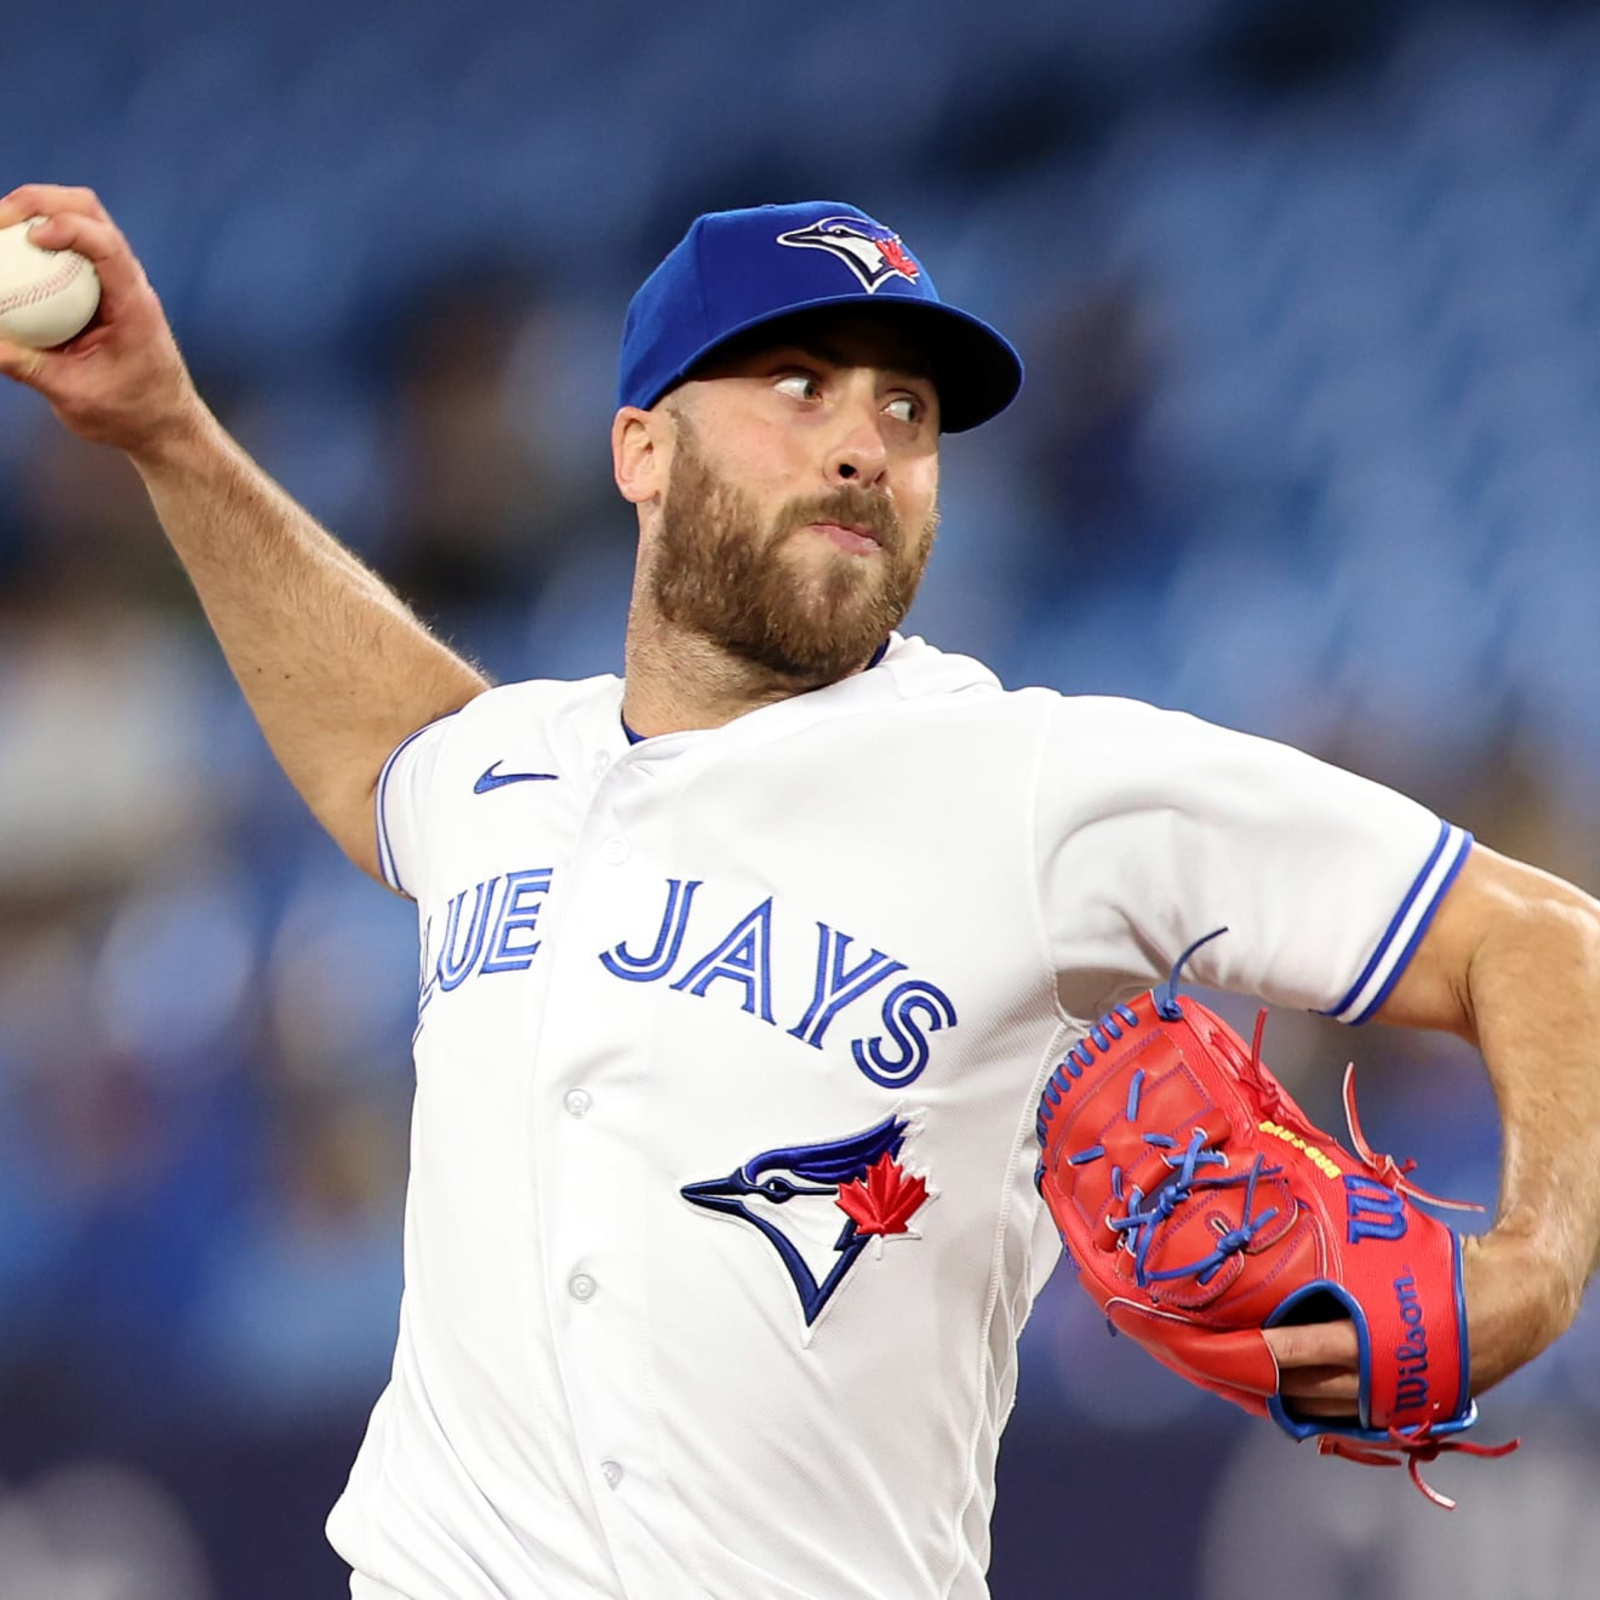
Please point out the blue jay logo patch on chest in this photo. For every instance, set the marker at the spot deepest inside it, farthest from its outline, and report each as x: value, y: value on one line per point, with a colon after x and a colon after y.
x: 820, y: 1205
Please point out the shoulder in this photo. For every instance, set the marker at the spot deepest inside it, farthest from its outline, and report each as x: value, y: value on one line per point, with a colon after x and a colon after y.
x: 923, y: 672
x: 956, y: 696
x: 1128, y: 731
x: 515, y: 734
x: 541, y: 720
x: 1098, y: 741
x: 538, y: 698
x: 535, y: 708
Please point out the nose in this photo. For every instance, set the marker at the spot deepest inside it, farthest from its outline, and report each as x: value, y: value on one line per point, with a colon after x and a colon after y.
x: 858, y: 454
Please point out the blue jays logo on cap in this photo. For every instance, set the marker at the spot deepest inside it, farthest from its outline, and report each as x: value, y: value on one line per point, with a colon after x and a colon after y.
x: 870, y: 250
x: 738, y: 271
x: 793, y: 1195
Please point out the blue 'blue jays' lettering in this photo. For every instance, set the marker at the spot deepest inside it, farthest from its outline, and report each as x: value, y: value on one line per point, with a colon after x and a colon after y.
x: 836, y: 987
x: 511, y: 949
x: 744, y: 957
x: 669, y: 939
x: 454, y: 964
x: 905, y: 1003
x: 495, y: 935
x: 911, y: 1011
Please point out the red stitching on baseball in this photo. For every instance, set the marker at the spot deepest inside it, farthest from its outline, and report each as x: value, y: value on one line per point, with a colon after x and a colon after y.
x: 63, y: 275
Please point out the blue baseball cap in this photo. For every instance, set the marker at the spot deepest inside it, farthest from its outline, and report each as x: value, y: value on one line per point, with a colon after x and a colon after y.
x: 738, y: 270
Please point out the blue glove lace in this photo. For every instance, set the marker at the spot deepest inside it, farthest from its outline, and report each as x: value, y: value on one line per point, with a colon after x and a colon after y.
x: 1138, y: 1223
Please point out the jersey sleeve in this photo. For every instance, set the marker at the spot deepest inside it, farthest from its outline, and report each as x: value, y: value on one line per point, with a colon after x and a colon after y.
x: 401, y: 803
x: 1156, y: 829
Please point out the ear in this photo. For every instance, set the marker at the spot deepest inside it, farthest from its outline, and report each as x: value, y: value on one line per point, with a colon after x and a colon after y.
x: 640, y: 452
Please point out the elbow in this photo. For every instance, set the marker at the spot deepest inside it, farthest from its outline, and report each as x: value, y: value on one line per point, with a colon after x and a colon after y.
x: 1542, y: 932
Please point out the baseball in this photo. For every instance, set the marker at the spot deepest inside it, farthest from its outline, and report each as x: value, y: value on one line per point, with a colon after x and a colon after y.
x: 46, y: 296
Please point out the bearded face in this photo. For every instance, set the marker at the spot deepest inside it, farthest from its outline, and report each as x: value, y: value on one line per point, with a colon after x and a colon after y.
x: 811, y: 615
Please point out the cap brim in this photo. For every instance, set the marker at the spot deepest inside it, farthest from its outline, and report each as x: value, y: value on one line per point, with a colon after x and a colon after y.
x: 974, y: 368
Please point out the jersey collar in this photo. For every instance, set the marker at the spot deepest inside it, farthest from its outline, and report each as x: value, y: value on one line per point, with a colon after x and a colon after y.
x: 877, y: 656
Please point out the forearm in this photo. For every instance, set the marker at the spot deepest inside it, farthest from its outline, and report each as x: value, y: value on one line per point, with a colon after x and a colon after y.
x: 1533, y: 999
x: 334, y: 666
x: 1512, y: 964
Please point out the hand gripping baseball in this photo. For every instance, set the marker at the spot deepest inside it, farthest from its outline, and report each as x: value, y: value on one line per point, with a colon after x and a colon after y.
x: 1201, y: 1206
x: 122, y: 381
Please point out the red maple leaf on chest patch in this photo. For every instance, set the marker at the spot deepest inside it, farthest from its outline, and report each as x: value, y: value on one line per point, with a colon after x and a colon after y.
x: 885, y: 1200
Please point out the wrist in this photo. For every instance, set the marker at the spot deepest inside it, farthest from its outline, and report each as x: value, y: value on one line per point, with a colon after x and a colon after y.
x: 189, y: 436
x: 1548, y: 1266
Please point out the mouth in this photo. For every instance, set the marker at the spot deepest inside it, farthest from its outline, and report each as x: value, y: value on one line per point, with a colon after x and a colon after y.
x: 852, y: 537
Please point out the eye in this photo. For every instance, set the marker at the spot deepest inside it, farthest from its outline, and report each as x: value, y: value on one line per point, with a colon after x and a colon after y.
x: 905, y: 408
x: 799, y: 386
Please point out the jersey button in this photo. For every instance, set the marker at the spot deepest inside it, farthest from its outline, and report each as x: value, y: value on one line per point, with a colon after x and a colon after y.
x: 611, y: 1471
x: 578, y: 1102
x: 600, y: 763
x: 615, y: 850
x: 581, y: 1286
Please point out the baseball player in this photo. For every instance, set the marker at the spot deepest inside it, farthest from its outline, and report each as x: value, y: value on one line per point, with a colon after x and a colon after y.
x: 741, y: 975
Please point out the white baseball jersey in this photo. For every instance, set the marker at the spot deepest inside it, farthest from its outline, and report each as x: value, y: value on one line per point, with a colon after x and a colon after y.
x: 721, y: 1226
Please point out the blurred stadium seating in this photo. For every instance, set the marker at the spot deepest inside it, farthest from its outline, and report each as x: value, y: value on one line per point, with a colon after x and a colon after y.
x: 1310, y: 295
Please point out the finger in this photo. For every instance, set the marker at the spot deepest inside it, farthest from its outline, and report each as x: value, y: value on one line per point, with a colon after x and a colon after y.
x: 46, y: 200
x: 1322, y: 1383
x: 27, y: 366
x: 1343, y: 1410
x: 98, y: 239
x: 1315, y: 1344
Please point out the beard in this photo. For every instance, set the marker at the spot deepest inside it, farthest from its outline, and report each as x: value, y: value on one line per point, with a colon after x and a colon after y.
x: 717, y: 572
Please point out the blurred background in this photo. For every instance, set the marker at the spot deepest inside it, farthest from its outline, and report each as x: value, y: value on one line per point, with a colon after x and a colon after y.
x: 1310, y: 297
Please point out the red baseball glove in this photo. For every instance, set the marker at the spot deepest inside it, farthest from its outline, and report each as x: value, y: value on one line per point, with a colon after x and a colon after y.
x: 1200, y: 1206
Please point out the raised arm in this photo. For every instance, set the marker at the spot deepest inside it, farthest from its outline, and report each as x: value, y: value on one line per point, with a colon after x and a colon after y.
x: 336, y: 669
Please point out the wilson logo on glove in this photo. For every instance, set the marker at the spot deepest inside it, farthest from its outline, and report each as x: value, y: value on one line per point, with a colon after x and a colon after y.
x: 1374, y: 1211
x: 1201, y: 1206
x: 1411, y: 1355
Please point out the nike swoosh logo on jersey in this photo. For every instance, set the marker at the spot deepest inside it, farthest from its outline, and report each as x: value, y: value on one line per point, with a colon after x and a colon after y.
x: 491, y: 779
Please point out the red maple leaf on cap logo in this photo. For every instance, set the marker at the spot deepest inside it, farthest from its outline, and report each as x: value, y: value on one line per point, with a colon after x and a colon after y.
x: 899, y: 257
x: 885, y: 1200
